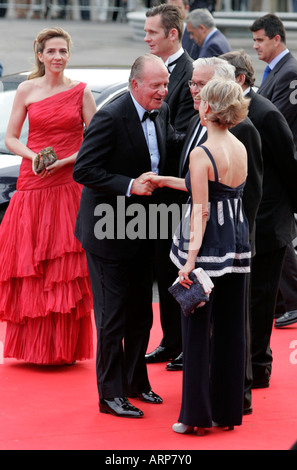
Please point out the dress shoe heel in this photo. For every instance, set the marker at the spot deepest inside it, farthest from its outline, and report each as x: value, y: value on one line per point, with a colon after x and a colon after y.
x: 176, y: 364
x: 182, y: 428
x: 200, y: 431
x: 218, y: 425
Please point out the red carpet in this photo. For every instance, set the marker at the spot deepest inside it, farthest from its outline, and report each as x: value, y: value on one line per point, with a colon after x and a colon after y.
x: 47, y: 408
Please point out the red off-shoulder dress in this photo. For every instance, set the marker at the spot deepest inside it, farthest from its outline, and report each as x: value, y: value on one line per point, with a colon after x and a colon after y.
x: 45, y: 292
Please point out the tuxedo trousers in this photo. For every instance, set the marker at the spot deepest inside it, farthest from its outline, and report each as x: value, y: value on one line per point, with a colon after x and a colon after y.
x: 265, y: 278
x: 166, y: 273
x: 122, y: 296
x: 214, y: 356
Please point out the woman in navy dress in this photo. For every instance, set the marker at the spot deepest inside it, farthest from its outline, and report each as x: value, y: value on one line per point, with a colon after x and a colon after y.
x: 214, y: 334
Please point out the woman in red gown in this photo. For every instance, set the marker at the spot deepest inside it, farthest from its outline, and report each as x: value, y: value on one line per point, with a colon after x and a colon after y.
x: 45, y: 293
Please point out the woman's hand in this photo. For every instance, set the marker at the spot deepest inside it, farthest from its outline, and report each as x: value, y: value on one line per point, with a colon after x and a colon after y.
x: 184, y: 275
x: 50, y: 170
x: 152, y: 178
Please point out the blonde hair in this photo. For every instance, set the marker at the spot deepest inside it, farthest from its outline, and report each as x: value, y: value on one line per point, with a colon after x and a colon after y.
x: 39, y: 45
x: 226, y: 101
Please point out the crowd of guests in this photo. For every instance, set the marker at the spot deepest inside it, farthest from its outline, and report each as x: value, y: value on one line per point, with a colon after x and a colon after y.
x: 189, y: 131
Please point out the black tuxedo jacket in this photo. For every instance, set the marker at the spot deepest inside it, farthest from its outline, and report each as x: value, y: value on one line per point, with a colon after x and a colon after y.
x: 179, y: 98
x: 280, y: 88
x: 249, y: 136
x: 275, y: 225
x: 114, y: 151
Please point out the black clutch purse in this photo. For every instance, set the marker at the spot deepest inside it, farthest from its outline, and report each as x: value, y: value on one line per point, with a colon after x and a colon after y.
x: 189, y: 299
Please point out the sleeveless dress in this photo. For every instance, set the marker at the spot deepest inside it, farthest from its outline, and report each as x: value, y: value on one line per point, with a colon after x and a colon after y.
x: 45, y: 292
x: 225, y: 247
x: 213, y: 336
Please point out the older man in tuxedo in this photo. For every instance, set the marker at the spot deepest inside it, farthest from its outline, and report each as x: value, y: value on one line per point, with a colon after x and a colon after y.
x: 122, y: 143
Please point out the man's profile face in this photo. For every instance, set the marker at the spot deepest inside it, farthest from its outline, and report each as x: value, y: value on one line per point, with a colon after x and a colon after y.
x: 265, y: 47
x: 155, y: 37
x: 201, y: 75
x: 197, y: 34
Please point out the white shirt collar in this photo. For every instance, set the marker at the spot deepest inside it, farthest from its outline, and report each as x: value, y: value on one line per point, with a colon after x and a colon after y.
x: 174, y: 56
x: 140, y: 110
x: 274, y: 61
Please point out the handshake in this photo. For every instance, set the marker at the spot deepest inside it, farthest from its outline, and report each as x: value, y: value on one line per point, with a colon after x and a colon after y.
x: 146, y: 183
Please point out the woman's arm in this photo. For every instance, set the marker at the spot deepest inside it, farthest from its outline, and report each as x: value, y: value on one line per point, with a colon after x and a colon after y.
x: 15, y: 124
x: 165, y: 181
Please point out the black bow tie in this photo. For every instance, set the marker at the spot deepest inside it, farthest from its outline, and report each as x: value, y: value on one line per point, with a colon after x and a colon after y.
x: 152, y: 115
x: 171, y: 64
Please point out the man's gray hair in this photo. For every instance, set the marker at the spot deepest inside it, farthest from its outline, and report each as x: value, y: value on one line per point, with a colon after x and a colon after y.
x: 138, y: 66
x: 220, y: 67
x: 201, y: 16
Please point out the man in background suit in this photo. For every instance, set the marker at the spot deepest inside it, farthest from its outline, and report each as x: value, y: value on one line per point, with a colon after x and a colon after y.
x: 164, y: 30
x: 204, y: 70
x: 187, y: 43
x: 273, y: 228
x: 121, y: 144
x: 279, y: 86
x: 201, y: 27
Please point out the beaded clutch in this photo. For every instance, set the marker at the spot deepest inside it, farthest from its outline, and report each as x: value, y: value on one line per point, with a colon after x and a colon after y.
x: 44, y: 158
x: 197, y: 295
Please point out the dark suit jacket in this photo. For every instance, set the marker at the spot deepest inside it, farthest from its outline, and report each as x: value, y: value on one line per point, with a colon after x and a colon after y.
x: 249, y: 136
x: 179, y: 98
x: 114, y: 151
x: 279, y: 88
x: 215, y: 46
x: 275, y: 225
x: 180, y: 102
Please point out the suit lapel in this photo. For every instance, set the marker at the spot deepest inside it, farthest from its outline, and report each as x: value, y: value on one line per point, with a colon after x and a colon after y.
x: 161, y: 131
x: 273, y: 73
x: 176, y: 75
x: 184, y: 159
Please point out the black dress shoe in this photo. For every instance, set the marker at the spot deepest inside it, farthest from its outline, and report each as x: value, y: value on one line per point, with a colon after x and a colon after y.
x: 287, y: 319
x: 148, y: 397
x: 247, y: 410
x: 160, y: 354
x: 119, y: 407
x: 176, y: 364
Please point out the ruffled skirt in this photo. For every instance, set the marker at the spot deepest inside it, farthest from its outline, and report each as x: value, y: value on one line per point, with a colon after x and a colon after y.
x: 45, y: 292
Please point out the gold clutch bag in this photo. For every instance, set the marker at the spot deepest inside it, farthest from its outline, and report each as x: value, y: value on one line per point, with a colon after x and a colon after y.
x: 44, y: 158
